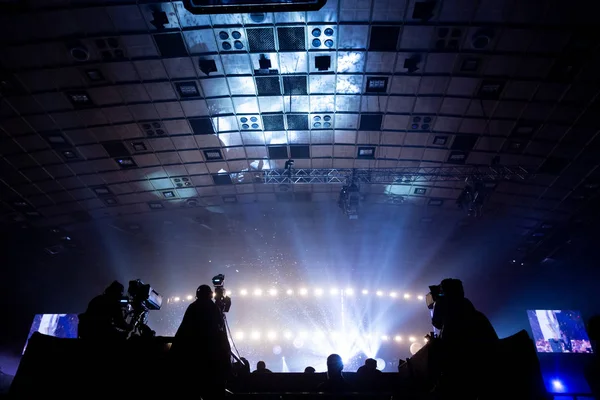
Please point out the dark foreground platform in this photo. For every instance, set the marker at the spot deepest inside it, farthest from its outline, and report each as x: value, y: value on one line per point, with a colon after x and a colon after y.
x: 137, y: 369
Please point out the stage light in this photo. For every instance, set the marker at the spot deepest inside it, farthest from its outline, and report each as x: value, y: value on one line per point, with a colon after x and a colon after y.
x: 334, y: 335
x: 318, y: 292
x: 425, y: 340
x: 239, y: 335
x: 412, y: 339
x: 176, y: 299
x: 406, y: 296
x: 271, y: 335
x: 189, y: 297
x: 243, y: 292
x: 393, y: 294
x: 420, y: 297
x: 258, y: 292
x: 333, y: 291
x: 273, y: 292
x: 379, y: 293
x: 302, y: 334
x: 303, y: 292
x: 398, y: 338
x: 557, y: 385
x: 287, y: 335
x: 365, y: 291
x: 349, y: 292
x: 319, y: 335
x: 290, y: 292
x: 385, y: 338
x: 255, y: 335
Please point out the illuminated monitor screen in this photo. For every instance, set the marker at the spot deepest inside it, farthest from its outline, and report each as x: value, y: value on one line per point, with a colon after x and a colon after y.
x: 559, y: 331
x: 58, y: 325
x: 250, y: 6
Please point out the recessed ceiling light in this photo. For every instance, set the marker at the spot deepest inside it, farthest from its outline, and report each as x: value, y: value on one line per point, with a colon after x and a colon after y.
x: 169, y: 194
x: 126, y: 162
x: 69, y: 154
x: 155, y: 205
x: 79, y: 98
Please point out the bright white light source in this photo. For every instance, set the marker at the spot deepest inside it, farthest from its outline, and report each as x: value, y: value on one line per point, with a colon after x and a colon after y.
x: 406, y: 296
x: 303, y: 291
x: 255, y: 335
x: 272, y: 335
x: 239, y: 335
x: 273, y: 292
x: 425, y: 340
x: 411, y: 339
x: 398, y: 338
x: 349, y: 292
x: 243, y: 292
x: 319, y: 335
x: 303, y: 334
x: 393, y: 294
x: 290, y: 292
x: 258, y: 292
x: 334, y: 335
x: 557, y: 385
x: 287, y: 335
x: 318, y: 292
x: 379, y: 293
x: 385, y: 338
x: 333, y: 291
x: 420, y: 297
x: 189, y: 297
x: 176, y: 299
x: 365, y: 291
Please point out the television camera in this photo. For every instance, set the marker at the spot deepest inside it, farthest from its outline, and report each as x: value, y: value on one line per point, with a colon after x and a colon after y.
x: 221, y: 300
x: 141, y: 298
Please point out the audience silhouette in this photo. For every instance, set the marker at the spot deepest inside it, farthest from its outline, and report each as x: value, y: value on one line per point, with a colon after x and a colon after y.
x: 335, y: 381
x: 261, y: 368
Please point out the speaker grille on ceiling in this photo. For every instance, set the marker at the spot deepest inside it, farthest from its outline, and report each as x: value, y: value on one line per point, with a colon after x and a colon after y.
x: 291, y: 39
x: 268, y: 86
x: 261, y: 39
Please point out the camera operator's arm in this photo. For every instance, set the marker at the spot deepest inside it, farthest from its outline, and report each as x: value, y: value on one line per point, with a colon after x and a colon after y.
x: 439, y: 313
x: 118, y: 318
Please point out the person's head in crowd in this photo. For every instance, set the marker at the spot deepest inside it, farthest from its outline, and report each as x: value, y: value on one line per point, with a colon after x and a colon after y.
x: 335, y: 365
x: 204, y: 292
x: 309, y: 370
x: 261, y: 365
x: 371, y: 363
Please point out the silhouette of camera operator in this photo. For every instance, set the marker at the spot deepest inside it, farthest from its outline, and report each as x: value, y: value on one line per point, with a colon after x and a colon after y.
x: 104, y: 318
x: 456, y: 317
x: 201, y: 348
x: 465, y: 335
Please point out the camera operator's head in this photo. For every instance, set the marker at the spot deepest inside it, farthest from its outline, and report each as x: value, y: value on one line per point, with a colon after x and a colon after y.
x: 115, y: 289
x: 204, y: 292
x: 453, y: 289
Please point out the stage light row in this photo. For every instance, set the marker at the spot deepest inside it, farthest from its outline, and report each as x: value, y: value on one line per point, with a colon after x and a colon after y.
x: 316, y: 336
x: 303, y: 292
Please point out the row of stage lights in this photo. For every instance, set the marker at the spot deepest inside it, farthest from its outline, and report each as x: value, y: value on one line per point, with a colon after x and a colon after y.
x: 303, y: 292
x: 316, y: 336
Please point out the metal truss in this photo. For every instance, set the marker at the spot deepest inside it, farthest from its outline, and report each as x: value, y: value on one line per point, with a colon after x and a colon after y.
x: 401, y: 175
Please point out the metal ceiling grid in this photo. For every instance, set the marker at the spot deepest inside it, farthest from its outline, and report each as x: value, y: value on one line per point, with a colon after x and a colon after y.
x: 104, y: 96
